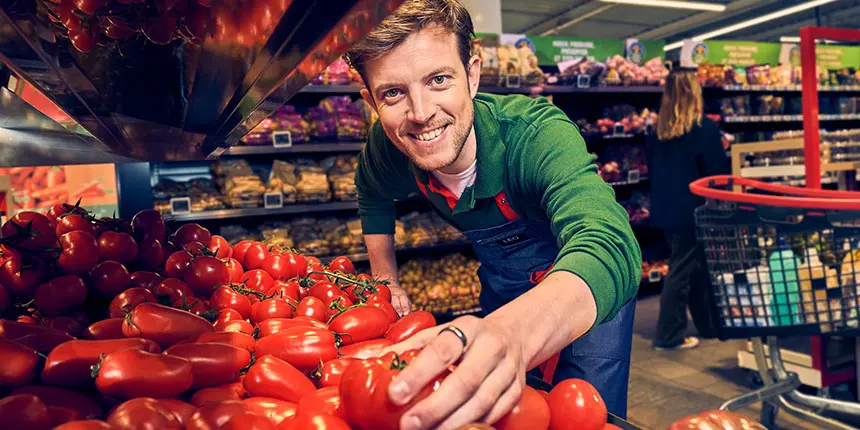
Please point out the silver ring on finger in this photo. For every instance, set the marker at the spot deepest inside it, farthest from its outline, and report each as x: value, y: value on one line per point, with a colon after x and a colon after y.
x: 460, y: 335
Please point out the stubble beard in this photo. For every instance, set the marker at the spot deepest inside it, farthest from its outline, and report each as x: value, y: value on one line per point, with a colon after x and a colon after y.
x: 460, y: 136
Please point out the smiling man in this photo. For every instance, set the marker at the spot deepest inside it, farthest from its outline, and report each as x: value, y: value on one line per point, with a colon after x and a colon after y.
x: 559, y: 262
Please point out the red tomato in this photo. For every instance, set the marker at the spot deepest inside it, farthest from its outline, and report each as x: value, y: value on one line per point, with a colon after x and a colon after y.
x: 276, y: 325
x: 715, y: 420
x: 20, y: 278
x: 302, y: 347
x: 255, y: 255
x: 72, y: 21
x: 270, y: 308
x: 204, y: 274
x: 134, y: 373
x: 148, y: 224
x: 531, y: 412
x: 119, y: 247
x: 248, y: 421
x: 316, y: 276
x: 164, y: 325
x: 24, y: 411
x: 326, y: 291
x: 110, y: 278
x: 44, y: 343
x: 358, y: 324
x: 61, y: 415
x: 240, y: 340
x: 279, y: 266
x: 220, y: 247
x: 116, y: 28
x: 177, y: 263
x: 272, y: 377
x: 68, y: 325
x: 226, y: 297
x: 61, y: 295
x: 143, y: 279
x: 239, y: 326
x: 150, y: 253
x: 240, y: 249
x: 284, y: 289
x: 212, y: 363
x: 226, y: 315
x: 29, y: 230
x: 257, y: 280
x: 274, y: 410
x: 4, y: 300
x: 312, y: 307
x: 612, y: 427
x: 336, y: 305
x: 576, y: 398
x: 366, y: 349
x: 80, y: 252
x: 331, y: 371
x: 221, y: 393
x: 86, y: 425
x: 191, y: 233
x: 235, y: 270
x: 61, y: 209
x: 214, y: 415
x: 19, y: 364
x: 326, y: 400
x: 59, y: 397
x: 69, y: 364
x: 110, y: 328
x: 72, y: 222
x: 376, y: 301
x: 143, y: 413
x: 314, y: 422
x: 341, y: 264
x: 172, y: 290
x: 126, y: 301
x: 410, y: 324
x: 15, y: 330
x: 182, y: 410
x: 89, y: 6
x: 194, y: 305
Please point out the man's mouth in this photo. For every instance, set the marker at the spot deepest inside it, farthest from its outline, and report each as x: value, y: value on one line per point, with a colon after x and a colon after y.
x: 429, y: 135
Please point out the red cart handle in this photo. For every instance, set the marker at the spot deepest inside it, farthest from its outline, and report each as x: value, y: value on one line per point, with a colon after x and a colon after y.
x: 792, y: 197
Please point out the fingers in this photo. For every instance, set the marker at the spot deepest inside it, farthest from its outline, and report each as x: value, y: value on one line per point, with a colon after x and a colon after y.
x: 401, y: 304
x: 493, y: 394
x: 434, y: 358
x: 507, y: 401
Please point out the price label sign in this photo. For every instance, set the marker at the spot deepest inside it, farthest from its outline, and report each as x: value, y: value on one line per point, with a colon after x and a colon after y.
x: 180, y: 205
x: 654, y: 276
x: 273, y: 200
x: 633, y: 176
x: 282, y: 139
x: 583, y: 81
x: 512, y: 81
x: 618, y: 129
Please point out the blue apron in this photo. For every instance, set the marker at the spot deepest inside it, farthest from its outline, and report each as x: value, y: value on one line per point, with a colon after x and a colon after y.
x: 514, y: 258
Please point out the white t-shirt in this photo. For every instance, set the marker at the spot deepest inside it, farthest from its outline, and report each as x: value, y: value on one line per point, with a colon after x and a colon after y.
x: 458, y: 182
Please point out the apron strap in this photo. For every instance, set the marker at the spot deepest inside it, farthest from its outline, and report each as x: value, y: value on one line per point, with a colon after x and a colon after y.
x: 548, y: 368
x: 505, y: 206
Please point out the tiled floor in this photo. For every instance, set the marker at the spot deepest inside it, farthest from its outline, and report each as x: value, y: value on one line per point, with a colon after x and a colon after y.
x: 666, y: 386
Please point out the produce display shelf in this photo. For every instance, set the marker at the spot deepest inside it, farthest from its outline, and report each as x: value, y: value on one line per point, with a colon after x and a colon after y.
x: 524, y: 89
x: 255, y: 212
x: 783, y: 88
x: 626, y: 183
x: 299, y: 148
x: 363, y: 257
x: 443, y: 317
x: 788, y: 118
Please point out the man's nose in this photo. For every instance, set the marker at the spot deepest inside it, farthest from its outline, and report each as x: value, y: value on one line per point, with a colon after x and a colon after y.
x: 420, y: 109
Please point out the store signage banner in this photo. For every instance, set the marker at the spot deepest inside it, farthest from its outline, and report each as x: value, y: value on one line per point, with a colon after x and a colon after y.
x: 827, y: 56
x: 729, y: 52
x: 552, y: 50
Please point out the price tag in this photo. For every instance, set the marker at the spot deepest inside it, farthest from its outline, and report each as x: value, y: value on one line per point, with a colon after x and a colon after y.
x: 583, y: 81
x: 633, y: 176
x: 282, y: 139
x: 655, y: 276
x: 618, y: 129
x: 180, y: 205
x: 512, y: 81
x: 273, y: 200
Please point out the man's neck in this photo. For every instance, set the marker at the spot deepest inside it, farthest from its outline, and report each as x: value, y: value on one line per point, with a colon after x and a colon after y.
x: 467, y: 156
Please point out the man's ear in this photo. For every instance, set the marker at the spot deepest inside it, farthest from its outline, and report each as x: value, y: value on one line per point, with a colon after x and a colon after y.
x: 473, y: 72
x: 365, y: 94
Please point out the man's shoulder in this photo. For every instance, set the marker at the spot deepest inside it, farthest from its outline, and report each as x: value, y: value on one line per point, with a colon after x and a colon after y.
x: 517, y: 108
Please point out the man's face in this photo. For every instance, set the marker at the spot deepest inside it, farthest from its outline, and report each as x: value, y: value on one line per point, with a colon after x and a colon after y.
x: 423, y: 96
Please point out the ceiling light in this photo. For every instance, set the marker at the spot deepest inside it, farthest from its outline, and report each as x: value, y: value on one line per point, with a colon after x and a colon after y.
x: 691, y: 5
x: 752, y: 22
x: 790, y: 39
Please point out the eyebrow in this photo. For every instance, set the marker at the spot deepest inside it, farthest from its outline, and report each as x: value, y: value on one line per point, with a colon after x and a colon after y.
x: 442, y: 70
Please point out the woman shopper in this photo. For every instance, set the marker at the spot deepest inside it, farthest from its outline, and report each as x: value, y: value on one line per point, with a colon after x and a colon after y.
x: 686, y: 146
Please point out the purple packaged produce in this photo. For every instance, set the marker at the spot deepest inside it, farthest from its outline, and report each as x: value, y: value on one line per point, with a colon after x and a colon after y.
x: 287, y: 119
x: 323, y: 123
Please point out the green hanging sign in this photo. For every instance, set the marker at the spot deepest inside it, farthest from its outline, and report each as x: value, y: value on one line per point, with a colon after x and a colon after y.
x: 837, y: 57
x: 730, y: 52
x: 551, y: 50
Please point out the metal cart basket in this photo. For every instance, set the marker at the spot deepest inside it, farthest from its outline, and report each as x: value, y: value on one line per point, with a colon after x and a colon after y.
x: 783, y: 261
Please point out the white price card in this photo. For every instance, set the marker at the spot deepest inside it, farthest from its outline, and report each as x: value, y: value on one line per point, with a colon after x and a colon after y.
x: 512, y: 81
x: 655, y: 276
x: 633, y: 176
x: 273, y: 200
x: 583, y: 81
x: 180, y: 205
x: 618, y: 129
x: 282, y: 139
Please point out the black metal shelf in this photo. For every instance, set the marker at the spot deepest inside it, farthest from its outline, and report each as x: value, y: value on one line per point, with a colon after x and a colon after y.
x: 289, y: 209
x: 299, y: 148
x: 781, y: 88
x: 756, y: 119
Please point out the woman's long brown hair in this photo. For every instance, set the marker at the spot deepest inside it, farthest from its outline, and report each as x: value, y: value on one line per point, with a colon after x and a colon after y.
x: 681, y: 106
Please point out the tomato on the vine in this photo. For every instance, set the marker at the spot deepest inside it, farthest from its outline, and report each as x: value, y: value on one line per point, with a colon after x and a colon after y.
x: 177, y: 263
x: 240, y: 249
x: 376, y: 301
x: 255, y: 254
x: 313, y: 308
x: 110, y: 278
x: 29, y: 230
x: 271, y: 308
x: 239, y: 326
x: 192, y: 304
x: 72, y: 222
x: 257, y: 280
x: 220, y: 247
x: 127, y: 300
x: 281, y: 266
x: 172, y: 290
x: 20, y: 278
x: 204, y: 274
x: 576, y: 404
x: 326, y: 291
x: 234, y: 269
x: 61, y: 295
x: 119, y: 247
x: 285, y: 290
x: 188, y: 233
x: 80, y: 252
x: 341, y: 264
x: 226, y: 297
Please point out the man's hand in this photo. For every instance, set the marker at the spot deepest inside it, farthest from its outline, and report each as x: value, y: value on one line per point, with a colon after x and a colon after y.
x: 486, y: 384
x: 400, y: 300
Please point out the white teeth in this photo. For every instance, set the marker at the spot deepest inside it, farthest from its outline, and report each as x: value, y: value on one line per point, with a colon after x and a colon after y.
x: 430, y: 135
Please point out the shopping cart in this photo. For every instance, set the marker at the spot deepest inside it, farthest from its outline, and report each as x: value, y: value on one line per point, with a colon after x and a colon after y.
x: 783, y: 261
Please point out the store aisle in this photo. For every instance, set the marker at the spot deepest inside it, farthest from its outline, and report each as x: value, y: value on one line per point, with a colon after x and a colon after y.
x: 666, y: 386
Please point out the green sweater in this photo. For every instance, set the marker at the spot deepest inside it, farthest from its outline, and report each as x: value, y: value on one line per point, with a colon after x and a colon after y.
x: 532, y: 151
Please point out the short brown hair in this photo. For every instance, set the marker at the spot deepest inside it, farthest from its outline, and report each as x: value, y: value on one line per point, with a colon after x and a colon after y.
x: 411, y: 16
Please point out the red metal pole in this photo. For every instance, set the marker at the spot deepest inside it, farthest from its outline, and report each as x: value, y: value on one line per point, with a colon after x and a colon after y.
x: 811, y: 137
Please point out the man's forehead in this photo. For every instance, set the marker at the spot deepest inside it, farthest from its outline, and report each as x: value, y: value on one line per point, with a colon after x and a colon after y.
x: 423, y: 51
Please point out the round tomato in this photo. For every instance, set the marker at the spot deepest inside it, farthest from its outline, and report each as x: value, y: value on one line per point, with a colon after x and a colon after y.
x: 194, y: 248
x: 331, y: 371
x: 72, y: 222
x: 407, y: 326
x: 133, y: 373
x: 257, y: 280
x: 191, y: 233
x: 303, y: 347
x: 119, y: 247
x: 716, y: 420
x: 214, y: 415
x: 240, y: 340
x: 274, y: 410
x: 24, y: 411
x: 285, y: 289
x: 341, y: 264
x: 143, y: 279
x: 127, y: 300
x: 80, y: 252
x: 326, y: 291
x: 110, y: 328
x: 204, y: 274
x: 148, y: 223
x: 279, y: 266
x: 317, y: 274
x: 172, y: 290
x: 29, y: 230
x: 19, y: 363
x: 376, y: 301
x: 336, y: 305
x: 358, y: 324
x: 531, y: 411
x: 20, y: 278
x: 221, y: 393
x: 150, y: 253
x: 235, y: 270
x: 326, y: 400
x: 220, y: 247
x: 164, y: 325
x: 110, y: 278
x: 226, y: 297
x: 61, y: 295
x: 240, y: 249
x: 270, y: 308
x: 85, y: 425
x: 58, y: 210
x: 192, y: 304
x: 144, y: 412
x: 240, y: 326
x: 255, y: 255
x: 312, y: 307
x: 226, y: 315
x: 177, y: 263
x: 576, y: 404
x: 272, y: 377
x: 69, y: 364
x: 212, y: 363
x: 276, y: 325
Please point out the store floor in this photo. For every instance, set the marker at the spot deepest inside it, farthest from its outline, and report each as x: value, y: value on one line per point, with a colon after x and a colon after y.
x: 666, y: 386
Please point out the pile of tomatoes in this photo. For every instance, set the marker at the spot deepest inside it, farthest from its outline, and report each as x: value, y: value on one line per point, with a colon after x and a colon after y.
x: 115, y: 324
